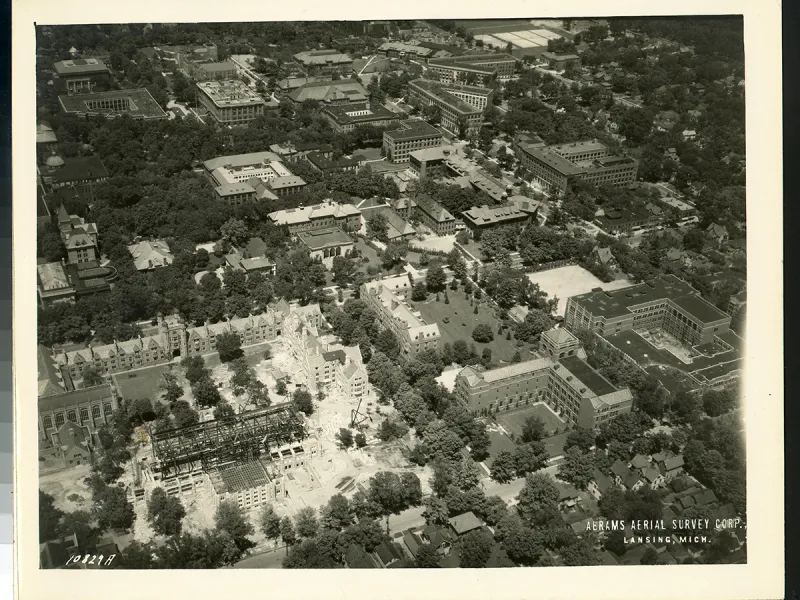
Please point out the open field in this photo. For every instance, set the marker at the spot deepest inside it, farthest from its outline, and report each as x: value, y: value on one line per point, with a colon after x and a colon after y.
x: 459, y: 311
x: 443, y: 243
x: 513, y: 421
x: 573, y: 280
x: 142, y: 383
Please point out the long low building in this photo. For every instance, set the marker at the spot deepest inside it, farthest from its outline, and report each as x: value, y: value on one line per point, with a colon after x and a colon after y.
x: 483, y: 67
x: 479, y: 219
x: 318, y: 216
x: 389, y: 299
x: 326, y: 243
x: 557, y: 166
x: 346, y: 117
x: 137, y: 104
x: 565, y: 382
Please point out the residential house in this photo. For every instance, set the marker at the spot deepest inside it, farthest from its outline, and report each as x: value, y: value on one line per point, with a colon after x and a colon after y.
x: 55, y: 554
x: 717, y: 233
x: 388, y: 553
x: 441, y: 539
x: 260, y: 264
x: 604, y: 255
x: 653, y: 477
x: 149, y: 255
x: 639, y: 462
x: 688, y: 135
x: 705, y: 497
x: 671, y: 467
x: 599, y: 485
x: 568, y: 496
x: 620, y: 472
x: 464, y: 523
x: 358, y: 558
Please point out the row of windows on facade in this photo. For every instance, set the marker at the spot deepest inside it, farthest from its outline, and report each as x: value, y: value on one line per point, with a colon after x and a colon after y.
x: 71, y: 415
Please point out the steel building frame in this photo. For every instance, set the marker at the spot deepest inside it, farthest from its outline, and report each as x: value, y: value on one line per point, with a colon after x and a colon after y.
x: 238, y: 438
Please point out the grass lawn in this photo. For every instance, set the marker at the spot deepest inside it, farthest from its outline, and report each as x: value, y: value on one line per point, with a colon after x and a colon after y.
x: 513, y: 421
x: 499, y: 442
x: 367, y: 251
x: 140, y: 384
x: 459, y: 311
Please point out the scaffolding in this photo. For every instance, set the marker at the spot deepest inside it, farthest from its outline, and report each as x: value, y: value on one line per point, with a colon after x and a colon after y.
x: 240, y: 438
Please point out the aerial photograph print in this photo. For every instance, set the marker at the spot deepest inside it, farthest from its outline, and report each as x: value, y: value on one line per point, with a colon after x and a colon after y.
x: 419, y: 294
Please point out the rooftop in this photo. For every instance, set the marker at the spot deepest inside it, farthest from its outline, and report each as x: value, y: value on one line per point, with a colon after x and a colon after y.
x: 322, y: 57
x: 52, y: 276
x: 79, y: 168
x: 240, y: 160
x: 587, y: 375
x: 138, y: 103
x: 150, y: 254
x: 464, y: 523
x: 411, y: 129
x: 324, y: 238
x: 440, y: 91
x: 79, y: 66
x: 617, y: 303
x: 292, y: 216
x: 348, y: 90
x: 230, y: 92
x: 354, y: 113
x: 429, y: 154
x: 488, y: 215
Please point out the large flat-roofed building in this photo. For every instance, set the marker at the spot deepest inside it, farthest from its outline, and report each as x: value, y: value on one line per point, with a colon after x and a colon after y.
x: 459, y: 104
x: 434, y: 215
x: 346, y: 117
x: 557, y: 166
x: 78, y: 172
x: 389, y: 299
x: 318, y: 216
x: 479, y: 219
x: 483, y: 67
x: 211, y: 71
x: 247, y: 177
x: 81, y: 76
x: 572, y: 388
x: 401, y: 50
x: 667, y: 303
x: 324, y: 62
x: 613, y: 221
x: 230, y: 102
x: 326, y: 243
x: 137, y: 104
x: 412, y: 135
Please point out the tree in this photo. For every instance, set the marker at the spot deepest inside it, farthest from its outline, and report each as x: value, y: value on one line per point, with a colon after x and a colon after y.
x: 184, y: 415
x: 360, y: 440
x: 169, y: 384
x: 287, y: 531
x: 235, y: 231
x: 435, y: 278
x: 650, y: 557
x: 530, y: 457
x: 581, y: 438
x: 441, y: 442
x: 337, y: 513
x: 280, y: 388
x: 533, y: 429
x: 483, y: 333
x: 195, y: 368
x: 412, y: 489
x: 270, y: 523
x: 504, y: 467
x: 386, y: 491
x: 230, y: 519
x: 206, y: 393
x: 308, y: 555
x: 91, y: 377
x: 80, y: 523
x: 113, y: 509
x: 577, y: 468
x: 539, y: 494
x: 306, y: 523
x: 436, y: 511
x: 223, y: 410
x: 229, y: 346
x: 49, y: 517
x: 419, y: 292
x: 165, y: 513
x: 427, y: 557
x: 378, y: 227
x: 479, y: 442
x: 475, y: 549
x: 345, y: 437
x: 303, y: 402
x: 521, y: 543
x: 536, y: 321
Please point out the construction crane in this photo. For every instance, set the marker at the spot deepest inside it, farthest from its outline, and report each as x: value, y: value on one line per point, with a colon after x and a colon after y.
x: 357, y: 417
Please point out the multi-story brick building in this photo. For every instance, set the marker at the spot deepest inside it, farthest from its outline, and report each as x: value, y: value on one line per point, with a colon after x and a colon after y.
x: 246, y: 177
x: 324, y: 62
x: 80, y: 237
x: 578, y: 393
x: 326, y: 243
x: 81, y: 173
x: 557, y: 166
x: 429, y: 162
x: 346, y: 117
x: 389, y: 299
x: 461, y: 106
x: 561, y: 61
x: 230, y: 102
x: 81, y: 76
x: 666, y: 303
x: 412, y: 135
x: 479, y: 219
x: 318, y: 216
x: 434, y: 215
x: 481, y: 67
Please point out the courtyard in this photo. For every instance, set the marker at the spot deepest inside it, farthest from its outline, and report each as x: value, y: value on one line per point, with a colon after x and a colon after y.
x: 141, y: 383
x: 565, y: 282
x: 514, y: 420
x: 462, y: 320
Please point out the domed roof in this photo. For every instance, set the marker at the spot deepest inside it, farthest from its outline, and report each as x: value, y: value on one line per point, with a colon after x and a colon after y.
x: 55, y: 161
